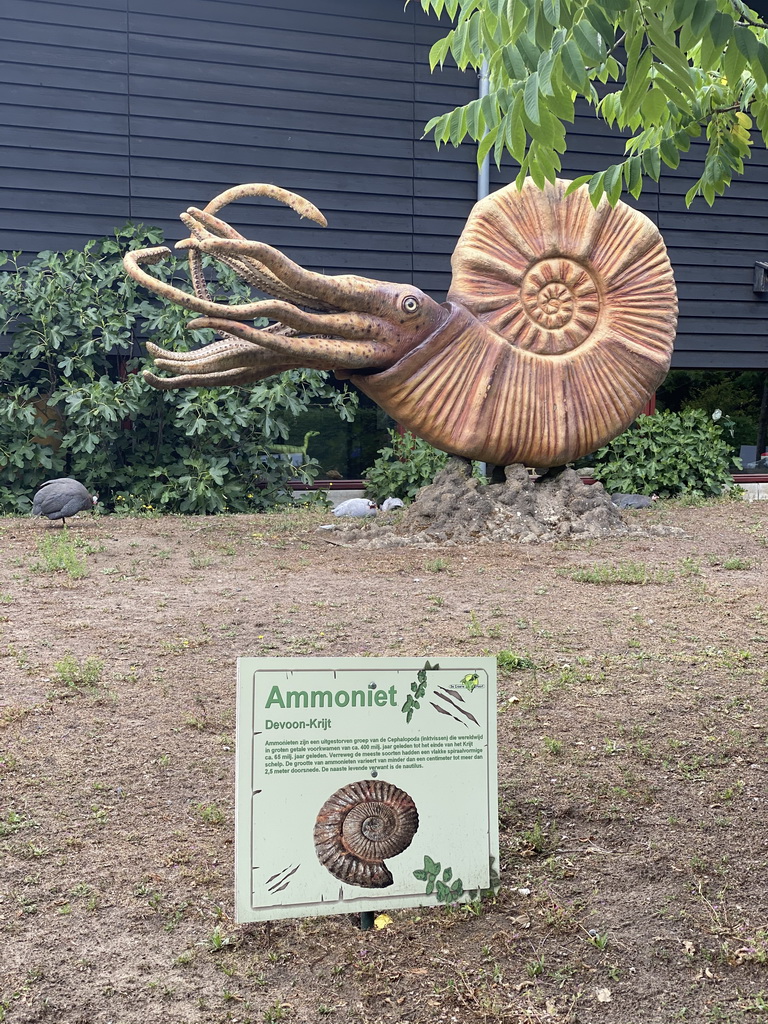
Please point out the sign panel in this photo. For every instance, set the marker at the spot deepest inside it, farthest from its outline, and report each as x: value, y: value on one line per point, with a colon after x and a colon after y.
x: 364, y: 784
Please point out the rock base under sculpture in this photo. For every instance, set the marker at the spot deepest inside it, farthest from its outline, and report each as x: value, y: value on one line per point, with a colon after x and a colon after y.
x: 458, y: 509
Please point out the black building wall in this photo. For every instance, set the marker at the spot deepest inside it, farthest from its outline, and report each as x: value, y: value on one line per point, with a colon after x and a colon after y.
x: 135, y: 109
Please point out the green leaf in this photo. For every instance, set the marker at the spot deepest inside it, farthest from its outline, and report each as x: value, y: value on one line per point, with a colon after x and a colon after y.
x: 634, y: 176
x: 514, y: 130
x: 734, y: 63
x: 577, y: 183
x: 439, y: 52
x: 703, y: 13
x: 529, y: 51
x: 574, y: 68
x: 746, y: 40
x: 486, y: 144
x: 595, y: 14
x: 531, y: 98
x: 551, y: 11
x: 632, y: 95
x: 669, y: 153
x: 430, y: 866
x: 720, y: 30
x: 444, y: 894
x: 612, y: 183
x: 651, y: 162
x: 514, y: 65
x: 654, y: 106
x: 589, y: 42
x: 596, y: 187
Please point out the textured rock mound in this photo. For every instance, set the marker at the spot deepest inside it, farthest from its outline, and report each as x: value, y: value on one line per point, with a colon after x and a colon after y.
x: 457, y: 509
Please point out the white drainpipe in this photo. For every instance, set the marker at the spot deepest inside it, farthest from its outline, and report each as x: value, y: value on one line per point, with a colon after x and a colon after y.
x: 483, y: 172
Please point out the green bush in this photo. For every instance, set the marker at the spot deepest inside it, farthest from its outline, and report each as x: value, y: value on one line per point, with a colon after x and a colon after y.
x: 668, y: 454
x: 402, y: 468
x: 73, y: 401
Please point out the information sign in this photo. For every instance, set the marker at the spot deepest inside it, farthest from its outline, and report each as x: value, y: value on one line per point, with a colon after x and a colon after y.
x: 364, y: 784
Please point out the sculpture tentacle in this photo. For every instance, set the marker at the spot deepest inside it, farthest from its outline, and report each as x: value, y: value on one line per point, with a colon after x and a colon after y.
x: 314, y: 352
x: 202, y: 226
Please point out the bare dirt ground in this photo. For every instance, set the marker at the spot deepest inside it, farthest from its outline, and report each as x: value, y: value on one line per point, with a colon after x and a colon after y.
x: 632, y: 751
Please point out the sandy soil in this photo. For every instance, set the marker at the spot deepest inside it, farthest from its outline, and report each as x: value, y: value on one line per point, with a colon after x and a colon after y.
x: 632, y: 781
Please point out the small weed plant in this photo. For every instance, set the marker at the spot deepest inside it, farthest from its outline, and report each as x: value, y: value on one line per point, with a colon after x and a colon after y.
x: 59, y: 554
x: 737, y: 563
x: 624, y: 572
x: 78, y: 677
x: 555, y: 747
x: 11, y: 822
x: 211, y: 814
x: 509, y: 661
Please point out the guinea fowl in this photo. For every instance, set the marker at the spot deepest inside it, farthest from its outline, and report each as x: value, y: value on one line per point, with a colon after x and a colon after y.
x: 62, y: 498
x: 356, y: 507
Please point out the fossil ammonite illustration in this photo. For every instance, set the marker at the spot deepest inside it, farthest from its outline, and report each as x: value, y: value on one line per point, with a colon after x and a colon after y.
x: 360, y: 826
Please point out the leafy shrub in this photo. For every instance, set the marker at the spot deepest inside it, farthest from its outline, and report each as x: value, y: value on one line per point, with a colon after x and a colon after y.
x: 402, y: 468
x: 73, y: 401
x: 667, y: 454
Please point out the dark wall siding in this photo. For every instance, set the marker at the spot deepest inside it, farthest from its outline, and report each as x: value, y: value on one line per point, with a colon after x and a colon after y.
x: 129, y: 109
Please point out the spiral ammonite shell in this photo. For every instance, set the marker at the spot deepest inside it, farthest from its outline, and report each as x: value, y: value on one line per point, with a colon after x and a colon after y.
x: 360, y: 825
x: 562, y: 323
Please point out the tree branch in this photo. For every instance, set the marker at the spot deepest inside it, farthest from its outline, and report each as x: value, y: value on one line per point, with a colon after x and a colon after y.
x: 741, y: 10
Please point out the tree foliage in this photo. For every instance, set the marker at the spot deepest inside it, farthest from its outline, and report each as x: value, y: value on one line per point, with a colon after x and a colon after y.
x: 73, y: 401
x: 662, y: 71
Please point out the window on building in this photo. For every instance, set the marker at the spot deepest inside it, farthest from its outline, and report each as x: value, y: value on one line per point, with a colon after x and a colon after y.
x: 344, y: 450
x: 742, y: 397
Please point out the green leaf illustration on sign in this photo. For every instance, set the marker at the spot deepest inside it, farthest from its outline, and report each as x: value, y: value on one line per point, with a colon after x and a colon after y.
x: 470, y: 681
x: 444, y: 892
x: 418, y: 690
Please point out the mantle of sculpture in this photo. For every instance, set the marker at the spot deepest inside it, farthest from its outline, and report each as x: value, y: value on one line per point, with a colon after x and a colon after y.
x: 557, y: 329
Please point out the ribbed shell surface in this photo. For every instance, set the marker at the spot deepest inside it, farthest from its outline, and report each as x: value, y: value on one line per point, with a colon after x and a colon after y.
x: 361, y: 824
x: 562, y: 322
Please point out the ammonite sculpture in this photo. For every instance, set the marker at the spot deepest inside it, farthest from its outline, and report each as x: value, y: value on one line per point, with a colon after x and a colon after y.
x: 360, y: 826
x: 557, y: 329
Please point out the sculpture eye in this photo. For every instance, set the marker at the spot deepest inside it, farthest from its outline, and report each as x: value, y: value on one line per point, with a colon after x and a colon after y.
x: 410, y: 304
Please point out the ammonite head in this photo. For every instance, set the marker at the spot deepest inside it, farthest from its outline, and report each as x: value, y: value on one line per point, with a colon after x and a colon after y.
x: 360, y: 826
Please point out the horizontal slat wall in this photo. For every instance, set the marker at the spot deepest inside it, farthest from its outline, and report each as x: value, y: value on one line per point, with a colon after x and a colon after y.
x: 117, y: 109
x: 723, y: 324
x: 318, y: 102
x: 64, y: 144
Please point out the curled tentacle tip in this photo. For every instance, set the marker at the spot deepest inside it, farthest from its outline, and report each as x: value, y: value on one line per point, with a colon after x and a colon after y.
x: 186, y: 243
x: 152, y: 255
x: 188, y: 221
x: 163, y: 383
